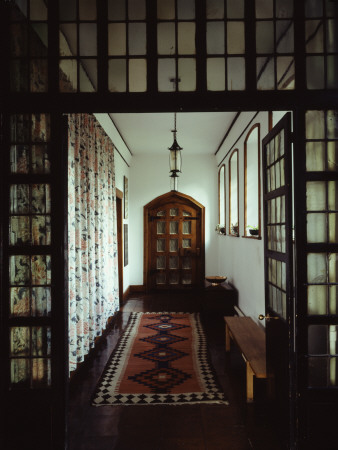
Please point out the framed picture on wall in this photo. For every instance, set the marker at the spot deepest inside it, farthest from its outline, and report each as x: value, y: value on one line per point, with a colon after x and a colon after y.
x: 125, y: 242
x: 125, y: 196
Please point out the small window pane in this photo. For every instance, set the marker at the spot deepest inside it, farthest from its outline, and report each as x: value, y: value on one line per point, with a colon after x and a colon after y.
x: 67, y: 10
x: 116, y: 9
x: 41, y: 372
x: 165, y: 9
x: 87, y: 39
x: 19, y: 230
x: 216, y: 74
x: 38, y: 10
x: 87, y: 9
x: 166, y: 38
x: 160, y: 262
x: 68, y: 68
x: 186, y: 243
x: 137, y: 75
x: 315, y: 72
x: 186, y: 38
x: 316, y: 228
x: 235, y: 9
x: 284, y: 36
x: 20, y: 341
x: 185, y: 9
x: 20, y: 373
x: 186, y: 227
x: 316, y: 268
x: 215, y: 38
x: 20, y: 301
x: 160, y: 227
x: 166, y: 71
x: 173, y: 212
x: 41, y: 269
x: 187, y: 74
x: 215, y: 9
x: 264, y: 37
x: 317, y: 300
x: 284, y: 8
x: 117, y: 39
x: 88, y: 75
x: 173, y: 262
x: 160, y: 213
x: 68, y: 39
x: 19, y: 157
x: 160, y: 278
x: 314, y: 36
x: 173, y: 245
x: 315, y: 128
x: 117, y: 75
x: 313, y: 8
x: 41, y: 301
x: 316, y: 195
x: 285, y: 73
x: 265, y: 74
x: 264, y: 9
x: 137, y: 38
x: 136, y: 9
x: 331, y: 67
x: 160, y: 245
x: 174, y: 277
x: 235, y: 37
x: 236, y: 74
x: 186, y: 262
x: 186, y: 278
x: 173, y: 227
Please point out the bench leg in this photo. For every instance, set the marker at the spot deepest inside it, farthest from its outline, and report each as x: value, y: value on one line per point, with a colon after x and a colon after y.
x: 249, y: 383
x: 227, y: 338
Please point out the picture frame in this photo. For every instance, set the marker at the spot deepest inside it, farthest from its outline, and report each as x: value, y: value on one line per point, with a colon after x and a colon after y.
x: 126, y: 197
x: 125, y: 244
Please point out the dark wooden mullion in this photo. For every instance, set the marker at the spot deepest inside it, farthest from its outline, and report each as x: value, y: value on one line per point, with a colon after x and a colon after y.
x: 102, y: 46
x: 250, y: 46
x: 59, y: 288
x: 201, y: 46
x: 151, y: 46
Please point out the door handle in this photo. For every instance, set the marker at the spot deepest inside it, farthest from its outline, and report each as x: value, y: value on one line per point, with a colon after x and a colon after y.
x: 267, y: 317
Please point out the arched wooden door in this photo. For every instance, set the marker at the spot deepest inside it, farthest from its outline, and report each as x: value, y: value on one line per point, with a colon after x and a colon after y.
x: 173, y: 242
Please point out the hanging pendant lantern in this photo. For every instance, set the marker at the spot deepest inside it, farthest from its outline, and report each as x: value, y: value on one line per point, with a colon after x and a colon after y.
x: 175, y: 158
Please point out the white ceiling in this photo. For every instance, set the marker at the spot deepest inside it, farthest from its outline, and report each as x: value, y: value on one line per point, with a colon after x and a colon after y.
x: 150, y: 133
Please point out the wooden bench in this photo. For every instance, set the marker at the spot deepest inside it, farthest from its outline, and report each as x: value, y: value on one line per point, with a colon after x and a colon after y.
x: 250, y: 339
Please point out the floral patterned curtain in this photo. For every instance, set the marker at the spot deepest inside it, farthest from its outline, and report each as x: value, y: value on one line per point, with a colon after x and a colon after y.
x: 92, y: 234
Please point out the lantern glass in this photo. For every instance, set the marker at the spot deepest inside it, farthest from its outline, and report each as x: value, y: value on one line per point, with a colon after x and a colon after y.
x: 173, y: 183
x: 175, y: 160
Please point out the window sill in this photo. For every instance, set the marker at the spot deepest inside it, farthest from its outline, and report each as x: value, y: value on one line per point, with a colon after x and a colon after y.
x: 258, y: 238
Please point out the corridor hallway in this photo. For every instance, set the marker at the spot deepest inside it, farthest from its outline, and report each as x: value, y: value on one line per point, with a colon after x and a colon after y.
x: 239, y: 426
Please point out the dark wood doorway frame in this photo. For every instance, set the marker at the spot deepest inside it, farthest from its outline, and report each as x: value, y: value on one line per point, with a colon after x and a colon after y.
x: 119, y: 219
x: 180, y: 199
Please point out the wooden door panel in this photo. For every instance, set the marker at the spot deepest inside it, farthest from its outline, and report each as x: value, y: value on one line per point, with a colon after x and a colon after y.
x: 278, y: 265
x: 174, y: 244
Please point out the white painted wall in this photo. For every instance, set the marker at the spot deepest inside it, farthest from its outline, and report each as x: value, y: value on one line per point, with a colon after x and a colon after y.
x: 241, y: 259
x: 122, y: 158
x: 149, y: 178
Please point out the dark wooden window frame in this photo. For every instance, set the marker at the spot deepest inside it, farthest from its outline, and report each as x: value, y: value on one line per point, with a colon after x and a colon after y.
x: 257, y: 125
x: 238, y: 221
x: 221, y: 220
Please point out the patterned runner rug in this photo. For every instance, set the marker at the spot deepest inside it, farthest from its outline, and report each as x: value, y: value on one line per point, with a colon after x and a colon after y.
x: 161, y: 358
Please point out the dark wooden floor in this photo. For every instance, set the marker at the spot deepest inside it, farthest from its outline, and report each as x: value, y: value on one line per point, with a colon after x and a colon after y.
x: 239, y: 426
